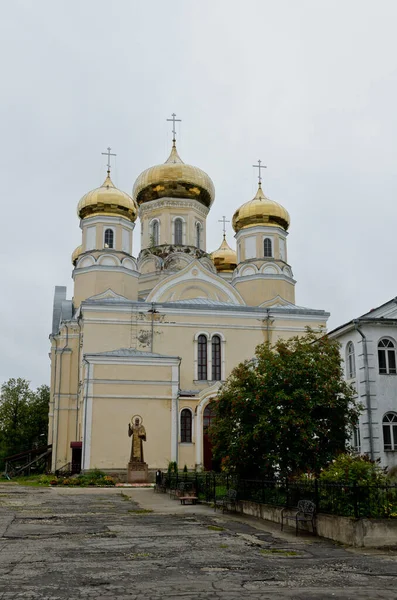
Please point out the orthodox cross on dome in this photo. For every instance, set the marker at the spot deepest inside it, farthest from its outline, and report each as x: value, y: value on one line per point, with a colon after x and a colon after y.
x: 108, y: 154
x: 259, y: 166
x: 224, y: 221
x: 174, y: 120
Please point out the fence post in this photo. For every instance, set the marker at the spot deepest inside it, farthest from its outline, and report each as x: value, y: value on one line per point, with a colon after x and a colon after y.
x: 316, y: 497
x: 355, y: 501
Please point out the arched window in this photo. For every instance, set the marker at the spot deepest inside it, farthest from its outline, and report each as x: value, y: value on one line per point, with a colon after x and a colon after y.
x: 216, y: 358
x: 155, y: 234
x: 109, y: 238
x: 202, y: 358
x: 178, y: 238
x: 186, y: 426
x: 350, y: 361
x: 267, y: 247
x: 390, y: 431
x: 387, y: 357
x: 198, y: 235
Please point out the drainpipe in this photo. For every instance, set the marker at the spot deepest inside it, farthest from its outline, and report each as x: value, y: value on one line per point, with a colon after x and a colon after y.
x: 59, y: 391
x: 78, y: 382
x: 54, y: 390
x: 151, y: 345
x: 367, y: 389
x: 85, y: 400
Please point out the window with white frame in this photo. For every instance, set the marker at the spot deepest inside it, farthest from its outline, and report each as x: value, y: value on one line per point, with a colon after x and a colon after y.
x: 154, y: 233
x: 390, y: 431
x: 109, y: 238
x: 387, y: 357
x: 178, y: 232
x: 267, y: 247
x: 350, y: 361
x: 202, y: 357
x: 186, y: 426
x: 216, y: 358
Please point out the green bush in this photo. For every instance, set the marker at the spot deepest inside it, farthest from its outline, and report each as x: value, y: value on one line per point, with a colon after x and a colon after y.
x: 350, y: 469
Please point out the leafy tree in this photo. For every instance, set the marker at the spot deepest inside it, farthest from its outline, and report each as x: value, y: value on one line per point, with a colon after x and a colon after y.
x: 286, y: 411
x: 37, y: 424
x: 23, y: 416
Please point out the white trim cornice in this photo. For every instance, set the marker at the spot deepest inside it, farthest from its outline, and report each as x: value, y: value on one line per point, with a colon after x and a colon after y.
x: 166, y: 361
x: 107, y: 219
x: 108, y: 268
x: 261, y: 229
x: 148, y: 207
x: 281, y: 276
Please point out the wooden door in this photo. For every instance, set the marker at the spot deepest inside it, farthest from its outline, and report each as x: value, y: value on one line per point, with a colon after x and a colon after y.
x: 207, y: 447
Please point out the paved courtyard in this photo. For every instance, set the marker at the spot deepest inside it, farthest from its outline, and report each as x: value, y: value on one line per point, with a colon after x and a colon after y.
x: 104, y: 543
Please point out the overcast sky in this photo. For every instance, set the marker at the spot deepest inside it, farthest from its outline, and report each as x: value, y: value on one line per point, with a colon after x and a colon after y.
x: 307, y: 86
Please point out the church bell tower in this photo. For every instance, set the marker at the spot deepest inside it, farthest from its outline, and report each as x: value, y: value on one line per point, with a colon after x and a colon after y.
x: 104, y: 259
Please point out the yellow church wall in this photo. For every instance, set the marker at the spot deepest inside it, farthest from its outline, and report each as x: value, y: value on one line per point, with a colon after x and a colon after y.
x: 110, y: 444
x: 91, y: 283
x: 257, y: 291
x: 62, y: 425
x: 138, y: 372
x: 186, y: 456
x: 241, y: 334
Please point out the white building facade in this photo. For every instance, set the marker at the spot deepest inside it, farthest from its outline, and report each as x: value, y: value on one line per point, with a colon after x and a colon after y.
x: 368, y: 348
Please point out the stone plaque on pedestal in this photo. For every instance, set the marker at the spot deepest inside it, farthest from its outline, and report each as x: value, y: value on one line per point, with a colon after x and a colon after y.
x: 137, y: 472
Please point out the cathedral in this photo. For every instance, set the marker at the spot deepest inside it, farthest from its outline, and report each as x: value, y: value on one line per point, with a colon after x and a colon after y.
x: 150, y: 339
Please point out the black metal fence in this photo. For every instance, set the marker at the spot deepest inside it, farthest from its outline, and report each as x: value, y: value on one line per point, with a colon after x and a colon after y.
x: 350, y: 500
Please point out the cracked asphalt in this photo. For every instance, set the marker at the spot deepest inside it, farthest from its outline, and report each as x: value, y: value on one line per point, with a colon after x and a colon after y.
x: 97, y: 543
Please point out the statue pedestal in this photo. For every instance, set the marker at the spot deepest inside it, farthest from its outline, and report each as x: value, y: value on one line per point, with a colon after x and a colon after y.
x: 137, y: 472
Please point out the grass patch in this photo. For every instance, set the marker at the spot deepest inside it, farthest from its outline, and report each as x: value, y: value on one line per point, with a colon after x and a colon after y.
x: 125, y: 496
x: 279, y: 552
x: 90, y: 479
x: 223, y: 546
x: 140, y: 511
x: 215, y: 528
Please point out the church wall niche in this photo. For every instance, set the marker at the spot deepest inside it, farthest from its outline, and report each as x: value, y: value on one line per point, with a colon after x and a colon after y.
x: 109, y: 260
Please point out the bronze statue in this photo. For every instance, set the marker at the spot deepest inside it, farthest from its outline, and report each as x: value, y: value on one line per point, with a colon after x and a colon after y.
x: 138, y: 433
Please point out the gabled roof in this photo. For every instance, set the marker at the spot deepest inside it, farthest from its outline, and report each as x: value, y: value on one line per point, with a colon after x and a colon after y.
x: 384, y: 313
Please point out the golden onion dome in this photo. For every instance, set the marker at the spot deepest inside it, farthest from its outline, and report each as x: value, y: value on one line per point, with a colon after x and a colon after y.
x: 260, y: 211
x: 225, y: 258
x: 108, y: 200
x: 76, y: 254
x: 174, y: 179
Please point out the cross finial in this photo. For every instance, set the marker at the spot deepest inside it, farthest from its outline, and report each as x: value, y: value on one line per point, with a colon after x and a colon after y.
x: 224, y: 221
x: 174, y: 120
x: 259, y: 166
x: 108, y: 154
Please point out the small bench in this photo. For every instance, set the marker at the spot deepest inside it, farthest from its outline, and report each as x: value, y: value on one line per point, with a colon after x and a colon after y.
x: 305, y: 512
x: 191, y: 499
x: 229, y: 499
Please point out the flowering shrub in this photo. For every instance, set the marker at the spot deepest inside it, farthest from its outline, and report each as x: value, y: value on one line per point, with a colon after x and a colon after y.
x: 350, y: 469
